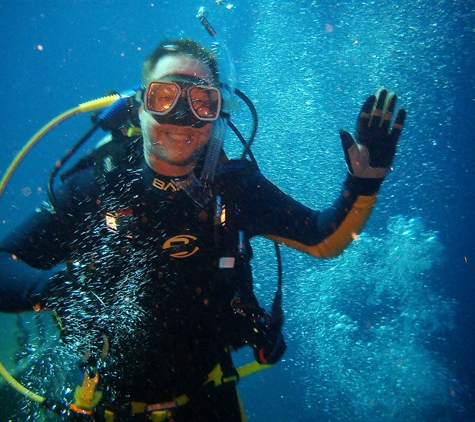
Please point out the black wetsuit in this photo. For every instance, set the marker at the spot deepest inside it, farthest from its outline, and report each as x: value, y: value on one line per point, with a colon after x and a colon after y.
x: 150, y: 268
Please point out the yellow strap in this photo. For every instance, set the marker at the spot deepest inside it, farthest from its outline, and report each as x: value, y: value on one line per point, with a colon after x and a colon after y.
x: 109, y: 416
x: 252, y: 367
x: 134, y: 131
x: 138, y: 407
x: 159, y: 415
x: 216, y: 375
x: 181, y: 400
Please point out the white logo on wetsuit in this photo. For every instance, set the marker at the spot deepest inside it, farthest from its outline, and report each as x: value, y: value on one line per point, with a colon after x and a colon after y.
x: 162, y: 185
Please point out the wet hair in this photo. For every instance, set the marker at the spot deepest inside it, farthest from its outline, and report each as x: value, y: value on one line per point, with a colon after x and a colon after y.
x: 183, y: 46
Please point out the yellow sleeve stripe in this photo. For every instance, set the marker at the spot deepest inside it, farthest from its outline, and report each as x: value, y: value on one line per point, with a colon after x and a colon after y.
x: 348, y: 231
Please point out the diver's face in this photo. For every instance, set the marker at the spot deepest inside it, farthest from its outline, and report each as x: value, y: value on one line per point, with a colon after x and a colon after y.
x: 172, y: 149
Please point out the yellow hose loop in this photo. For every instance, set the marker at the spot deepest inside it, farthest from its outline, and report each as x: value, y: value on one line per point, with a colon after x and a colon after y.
x: 20, y: 388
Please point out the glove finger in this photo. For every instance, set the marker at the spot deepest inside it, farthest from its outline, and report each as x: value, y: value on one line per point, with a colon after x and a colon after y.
x: 388, y: 110
x: 398, y: 125
x: 365, y: 113
x: 347, y: 140
x: 381, y: 95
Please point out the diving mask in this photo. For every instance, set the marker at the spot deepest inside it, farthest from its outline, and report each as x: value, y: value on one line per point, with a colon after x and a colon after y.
x: 182, y: 101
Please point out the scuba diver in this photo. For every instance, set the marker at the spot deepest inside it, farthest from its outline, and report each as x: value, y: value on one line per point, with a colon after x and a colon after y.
x: 143, y: 252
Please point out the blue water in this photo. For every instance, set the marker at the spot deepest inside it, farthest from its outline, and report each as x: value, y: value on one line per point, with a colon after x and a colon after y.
x: 383, y: 333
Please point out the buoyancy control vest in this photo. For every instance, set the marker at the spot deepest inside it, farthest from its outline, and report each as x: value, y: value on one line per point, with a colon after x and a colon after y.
x: 244, y: 321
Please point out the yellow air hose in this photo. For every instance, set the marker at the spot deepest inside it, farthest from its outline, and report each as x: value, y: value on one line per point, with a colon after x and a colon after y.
x: 18, y: 387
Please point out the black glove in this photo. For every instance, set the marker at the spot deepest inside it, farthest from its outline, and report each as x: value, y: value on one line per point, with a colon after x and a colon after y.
x: 371, y: 155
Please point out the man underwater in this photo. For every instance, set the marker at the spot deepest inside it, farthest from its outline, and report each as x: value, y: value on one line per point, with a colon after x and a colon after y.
x: 158, y: 286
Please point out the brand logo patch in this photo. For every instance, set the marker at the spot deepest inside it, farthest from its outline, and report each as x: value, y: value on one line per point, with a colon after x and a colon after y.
x: 161, y: 185
x: 181, y: 246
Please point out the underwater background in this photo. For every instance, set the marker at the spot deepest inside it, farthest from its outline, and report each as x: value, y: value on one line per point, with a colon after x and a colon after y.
x: 382, y: 333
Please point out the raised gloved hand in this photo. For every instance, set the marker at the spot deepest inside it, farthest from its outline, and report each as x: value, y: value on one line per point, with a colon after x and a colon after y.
x: 371, y: 155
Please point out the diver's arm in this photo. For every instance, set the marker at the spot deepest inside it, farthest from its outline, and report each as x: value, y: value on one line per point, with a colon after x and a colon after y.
x: 28, y: 257
x: 34, y: 250
x: 265, y: 210
x: 20, y: 284
x: 369, y: 160
x: 326, y: 234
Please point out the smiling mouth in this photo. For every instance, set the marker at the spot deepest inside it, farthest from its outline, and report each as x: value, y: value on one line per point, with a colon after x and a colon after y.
x: 176, y: 138
x: 180, y: 137
x: 179, y: 130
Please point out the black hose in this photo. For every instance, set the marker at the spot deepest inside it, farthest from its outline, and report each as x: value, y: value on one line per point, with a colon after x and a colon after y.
x: 60, y: 163
x: 277, y: 312
x: 255, y: 120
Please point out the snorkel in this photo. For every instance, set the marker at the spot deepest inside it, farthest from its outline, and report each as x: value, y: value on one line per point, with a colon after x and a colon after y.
x: 226, y: 86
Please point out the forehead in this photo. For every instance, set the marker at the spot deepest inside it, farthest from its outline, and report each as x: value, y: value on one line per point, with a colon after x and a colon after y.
x: 181, y: 65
